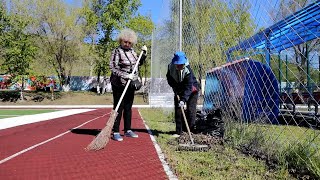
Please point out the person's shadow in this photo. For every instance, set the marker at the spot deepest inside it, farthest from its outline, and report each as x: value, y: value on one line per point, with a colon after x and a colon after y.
x: 154, y: 132
x: 93, y: 132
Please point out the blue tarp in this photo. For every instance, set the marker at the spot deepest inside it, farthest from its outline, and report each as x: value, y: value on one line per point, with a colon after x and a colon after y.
x: 249, y: 84
x: 261, y: 93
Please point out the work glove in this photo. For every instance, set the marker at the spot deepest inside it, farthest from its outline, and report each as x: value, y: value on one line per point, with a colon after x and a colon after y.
x: 182, y: 104
x: 144, y: 49
x: 128, y: 76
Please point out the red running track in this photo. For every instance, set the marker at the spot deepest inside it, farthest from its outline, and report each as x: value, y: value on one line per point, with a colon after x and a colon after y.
x: 65, y: 157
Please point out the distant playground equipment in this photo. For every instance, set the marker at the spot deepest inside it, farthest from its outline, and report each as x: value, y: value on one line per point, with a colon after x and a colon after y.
x: 30, y: 83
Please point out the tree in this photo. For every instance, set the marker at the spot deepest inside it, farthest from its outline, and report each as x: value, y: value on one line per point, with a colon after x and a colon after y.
x: 143, y: 26
x: 210, y: 28
x: 58, y: 28
x: 90, y: 16
x: 4, y: 23
x: 233, y: 25
x: 113, y: 16
x: 18, y: 47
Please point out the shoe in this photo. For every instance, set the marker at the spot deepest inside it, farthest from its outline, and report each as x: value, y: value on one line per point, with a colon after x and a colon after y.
x: 176, y: 135
x: 117, y: 137
x: 129, y: 133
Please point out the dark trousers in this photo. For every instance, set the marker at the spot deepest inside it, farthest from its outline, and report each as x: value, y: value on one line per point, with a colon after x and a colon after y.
x: 190, y: 113
x: 124, y: 108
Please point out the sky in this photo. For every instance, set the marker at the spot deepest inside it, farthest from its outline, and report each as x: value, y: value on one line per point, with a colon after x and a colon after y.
x: 158, y: 9
x: 155, y: 8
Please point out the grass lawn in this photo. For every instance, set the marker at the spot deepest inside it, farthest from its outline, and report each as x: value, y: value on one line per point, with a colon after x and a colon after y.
x: 296, y: 148
x: 220, y: 162
x: 7, y: 113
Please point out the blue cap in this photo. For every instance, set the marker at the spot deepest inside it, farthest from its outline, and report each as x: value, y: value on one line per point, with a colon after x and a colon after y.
x: 179, y: 58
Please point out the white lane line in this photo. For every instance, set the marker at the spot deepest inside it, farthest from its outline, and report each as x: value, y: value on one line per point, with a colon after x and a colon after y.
x: 44, y: 142
x: 161, y: 156
x: 27, y: 119
x: 85, y: 106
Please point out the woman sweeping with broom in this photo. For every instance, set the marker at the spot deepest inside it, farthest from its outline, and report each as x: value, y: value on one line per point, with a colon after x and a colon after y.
x: 124, y: 65
x: 122, y: 62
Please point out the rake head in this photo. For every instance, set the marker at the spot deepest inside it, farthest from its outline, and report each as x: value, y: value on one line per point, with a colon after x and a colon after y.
x: 193, y: 147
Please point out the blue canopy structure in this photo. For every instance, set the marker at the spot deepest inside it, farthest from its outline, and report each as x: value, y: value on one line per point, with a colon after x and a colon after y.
x: 297, y: 28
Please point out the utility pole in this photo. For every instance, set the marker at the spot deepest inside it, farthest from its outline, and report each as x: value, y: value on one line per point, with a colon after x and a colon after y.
x: 180, y: 26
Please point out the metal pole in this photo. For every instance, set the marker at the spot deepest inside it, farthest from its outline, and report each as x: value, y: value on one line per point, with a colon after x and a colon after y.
x: 308, y: 69
x: 151, y: 54
x: 200, y: 77
x: 287, y: 74
x: 267, y: 49
x: 308, y: 76
x: 319, y: 70
x: 279, y: 63
x: 152, y: 72
x: 180, y: 26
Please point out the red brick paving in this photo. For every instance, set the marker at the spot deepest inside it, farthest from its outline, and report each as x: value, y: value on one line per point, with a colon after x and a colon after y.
x: 65, y: 157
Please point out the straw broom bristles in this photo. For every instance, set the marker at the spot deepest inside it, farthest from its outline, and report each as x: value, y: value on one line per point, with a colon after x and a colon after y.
x: 104, y: 136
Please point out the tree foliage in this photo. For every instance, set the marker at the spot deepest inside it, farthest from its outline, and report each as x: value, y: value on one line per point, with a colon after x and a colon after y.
x: 143, y: 26
x: 69, y: 38
x: 4, y: 23
x: 112, y: 17
x: 18, y: 48
x: 209, y: 29
x: 89, y: 14
x: 59, y: 32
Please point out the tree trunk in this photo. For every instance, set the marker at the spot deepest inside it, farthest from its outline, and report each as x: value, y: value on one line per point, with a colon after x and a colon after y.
x: 21, y: 89
x: 98, y: 83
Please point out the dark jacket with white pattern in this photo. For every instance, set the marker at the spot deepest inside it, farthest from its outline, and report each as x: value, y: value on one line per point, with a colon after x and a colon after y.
x: 122, y: 63
x: 182, y: 82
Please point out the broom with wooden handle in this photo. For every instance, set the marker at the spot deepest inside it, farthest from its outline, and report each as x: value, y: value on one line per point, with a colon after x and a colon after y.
x: 103, y: 137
